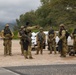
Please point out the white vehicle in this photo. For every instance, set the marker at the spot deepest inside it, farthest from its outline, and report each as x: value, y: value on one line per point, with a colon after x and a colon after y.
x: 69, y: 40
x: 33, y: 38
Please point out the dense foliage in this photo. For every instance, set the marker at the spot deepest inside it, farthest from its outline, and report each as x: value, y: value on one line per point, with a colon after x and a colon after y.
x: 51, y: 12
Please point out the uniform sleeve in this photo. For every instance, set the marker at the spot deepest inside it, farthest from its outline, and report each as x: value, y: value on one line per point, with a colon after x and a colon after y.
x: 2, y: 33
x: 19, y: 35
x: 12, y: 34
x: 63, y: 34
x: 74, y: 35
x: 30, y: 28
x: 54, y: 35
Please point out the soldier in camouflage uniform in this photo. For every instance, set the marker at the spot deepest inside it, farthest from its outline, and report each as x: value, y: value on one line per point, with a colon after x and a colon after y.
x: 40, y: 38
x: 27, y: 30
x: 74, y: 37
x: 62, y: 36
x: 51, y: 40
x: 20, y: 33
x: 7, y: 36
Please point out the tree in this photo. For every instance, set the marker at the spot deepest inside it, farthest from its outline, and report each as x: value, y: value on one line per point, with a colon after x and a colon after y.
x: 51, y: 12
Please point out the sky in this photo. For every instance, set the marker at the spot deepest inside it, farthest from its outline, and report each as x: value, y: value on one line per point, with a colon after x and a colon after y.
x: 10, y: 10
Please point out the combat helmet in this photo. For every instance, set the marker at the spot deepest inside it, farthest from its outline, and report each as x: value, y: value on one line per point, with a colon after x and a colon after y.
x: 6, y: 25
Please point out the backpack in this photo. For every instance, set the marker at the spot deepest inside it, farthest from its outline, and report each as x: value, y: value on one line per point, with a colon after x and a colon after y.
x: 67, y: 34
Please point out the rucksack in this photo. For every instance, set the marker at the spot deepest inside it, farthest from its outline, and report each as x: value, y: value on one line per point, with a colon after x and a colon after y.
x: 67, y: 34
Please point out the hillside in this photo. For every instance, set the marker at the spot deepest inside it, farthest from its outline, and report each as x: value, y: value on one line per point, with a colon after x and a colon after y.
x: 11, y: 26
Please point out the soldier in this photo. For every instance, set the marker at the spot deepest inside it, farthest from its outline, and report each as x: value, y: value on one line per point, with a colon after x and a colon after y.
x: 20, y: 33
x: 51, y: 40
x: 63, y: 41
x: 40, y: 38
x: 7, y: 36
x: 74, y: 37
x: 27, y: 30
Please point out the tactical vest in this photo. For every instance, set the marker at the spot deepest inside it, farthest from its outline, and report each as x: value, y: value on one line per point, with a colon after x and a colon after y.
x: 21, y: 32
x: 67, y: 34
x: 51, y: 34
x: 7, y: 31
x: 60, y: 33
x: 40, y: 36
x: 29, y: 33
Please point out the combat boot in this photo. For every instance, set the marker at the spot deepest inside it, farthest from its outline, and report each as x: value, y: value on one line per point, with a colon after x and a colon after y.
x: 30, y: 57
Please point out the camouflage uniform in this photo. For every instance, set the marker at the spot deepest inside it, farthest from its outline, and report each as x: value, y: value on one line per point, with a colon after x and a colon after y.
x: 40, y: 41
x: 28, y: 33
x: 62, y: 36
x: 51, y: 40
x: 20, y: 36
x: 74, y: 37
x: 7, y: 38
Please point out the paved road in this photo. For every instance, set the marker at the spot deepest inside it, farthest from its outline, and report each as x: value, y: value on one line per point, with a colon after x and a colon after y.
x: 45, y: 70
x: 7, y: 72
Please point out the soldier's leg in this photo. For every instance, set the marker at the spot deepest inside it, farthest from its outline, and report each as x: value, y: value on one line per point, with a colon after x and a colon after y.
x: 22, y: 50
x: 64, y: 50
x: 54, y: 50
x: 54, y: 47
x: 41, y: 48
x: 5, y: 50
x: 74, y: 46
x: 5, y: 47
x: 9, y: 48
x: 26, y: 54
x: 50, y: 48
x: 29, y: 52
x: 38, y: 48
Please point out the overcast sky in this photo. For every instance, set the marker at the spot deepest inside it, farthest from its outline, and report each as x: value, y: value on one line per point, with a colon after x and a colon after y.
x: 12, y: 9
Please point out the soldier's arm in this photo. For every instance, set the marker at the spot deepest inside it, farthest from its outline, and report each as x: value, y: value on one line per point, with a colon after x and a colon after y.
x: 2, y: 34
x: 12, y: 34
x: 63, y: 34
x: 33, y: 27
x: 37, y: 38
x: 54, y: 35
x: 74, y: 35
x: 19, y: 35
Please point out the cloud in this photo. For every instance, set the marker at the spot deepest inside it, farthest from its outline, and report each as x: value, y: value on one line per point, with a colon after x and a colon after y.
x: 12, y: 9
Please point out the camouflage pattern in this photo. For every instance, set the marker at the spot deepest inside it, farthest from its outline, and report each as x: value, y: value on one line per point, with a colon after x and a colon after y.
x: 74, y: 38
x: 7, y: 39
x: 20, y: 37
x: 7, y: 47
x: 27, y: 53
x: 52, y: 43
x: 64, y: 44
x: 22, y: 50
x: 74, y: 43
x: 40, y: 43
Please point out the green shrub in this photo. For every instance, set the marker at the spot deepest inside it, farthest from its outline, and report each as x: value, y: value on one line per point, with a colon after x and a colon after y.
x: 15, y: 34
